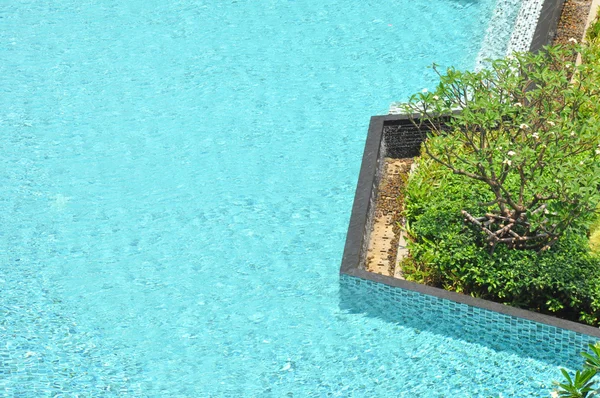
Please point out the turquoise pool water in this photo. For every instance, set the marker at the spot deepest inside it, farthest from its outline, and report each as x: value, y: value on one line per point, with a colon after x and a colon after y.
x: 177, y: 178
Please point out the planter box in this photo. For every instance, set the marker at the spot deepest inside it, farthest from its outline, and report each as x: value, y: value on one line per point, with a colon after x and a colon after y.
x: 480, y: 321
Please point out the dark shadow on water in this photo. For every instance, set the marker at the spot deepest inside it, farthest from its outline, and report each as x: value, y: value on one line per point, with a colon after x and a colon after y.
x: 459, y: 321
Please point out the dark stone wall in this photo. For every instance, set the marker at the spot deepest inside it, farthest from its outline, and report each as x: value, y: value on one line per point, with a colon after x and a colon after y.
x: 402, y: 140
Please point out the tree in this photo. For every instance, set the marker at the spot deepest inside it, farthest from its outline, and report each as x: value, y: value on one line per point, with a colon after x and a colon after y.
x: 529, y: 128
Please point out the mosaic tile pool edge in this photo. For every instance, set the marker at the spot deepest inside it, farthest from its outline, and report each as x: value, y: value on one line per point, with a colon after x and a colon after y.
x: 471, y: 324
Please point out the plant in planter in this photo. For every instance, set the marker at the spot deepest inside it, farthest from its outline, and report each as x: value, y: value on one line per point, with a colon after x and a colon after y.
x: 528, y: 133
x: 500, y: 204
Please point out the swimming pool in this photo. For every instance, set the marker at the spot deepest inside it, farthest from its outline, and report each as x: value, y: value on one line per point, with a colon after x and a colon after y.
x: 177, y: 179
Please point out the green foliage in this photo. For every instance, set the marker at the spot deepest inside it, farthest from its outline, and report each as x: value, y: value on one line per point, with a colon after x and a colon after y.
x: 595, y: 233
x: 579, y: 387
x: 592, y: 361
x: 517, y: 168
x: 595, y: 240
x: 446, y: 252
x: 592, y: 58
x: 583, y: 385
x: 593, y: 32
x: 525, y: 132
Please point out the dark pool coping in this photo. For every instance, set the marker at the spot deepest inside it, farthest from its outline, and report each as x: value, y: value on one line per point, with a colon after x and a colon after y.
x: 547, y: 24
x: 355, y: 239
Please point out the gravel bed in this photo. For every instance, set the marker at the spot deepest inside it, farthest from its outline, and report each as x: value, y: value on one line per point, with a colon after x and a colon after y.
x: 572, y: 21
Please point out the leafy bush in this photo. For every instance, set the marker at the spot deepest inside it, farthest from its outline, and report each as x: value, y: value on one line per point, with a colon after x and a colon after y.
x: 517, y: 168
x: 449, y: 253
x: 527, y: 133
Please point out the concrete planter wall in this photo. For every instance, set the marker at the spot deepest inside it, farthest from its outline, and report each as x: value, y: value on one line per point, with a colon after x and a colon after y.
x: 547, y: 24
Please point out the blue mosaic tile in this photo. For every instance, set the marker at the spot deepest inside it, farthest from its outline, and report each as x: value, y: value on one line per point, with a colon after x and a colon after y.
x: 475, y: 325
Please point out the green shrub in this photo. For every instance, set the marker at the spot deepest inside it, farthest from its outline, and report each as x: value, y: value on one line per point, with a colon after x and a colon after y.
x: 593, y: 31
x: 502, y: 199
x: 593, y: 59
x: 527, y: 132
x: 449, y: 253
